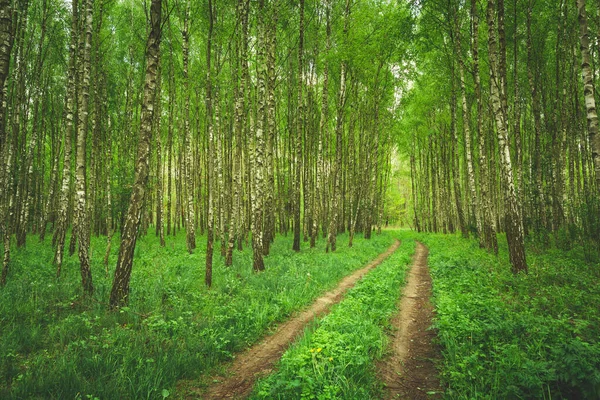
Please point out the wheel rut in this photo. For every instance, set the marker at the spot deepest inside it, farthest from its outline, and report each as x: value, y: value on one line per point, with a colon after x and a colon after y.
x: 408, y: 371
x: 258, y: 360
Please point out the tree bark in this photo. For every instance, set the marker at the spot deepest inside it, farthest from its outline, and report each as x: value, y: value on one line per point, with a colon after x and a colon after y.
x: 160, y: 228
x: 323, y: 125
x: 339, y: 127
x: 119, y: 295
x: 83, y: 228
x: 269, y: 207
x: 474, y: 204
x: 513, y: 220
x: 6, y: 44
x: 210, y: 169
x: 190, y: 223
x: 298, y: 136
x: 235, y: 228
x: 61, y: 226
x: 257, y: 150
x: 588, y: 89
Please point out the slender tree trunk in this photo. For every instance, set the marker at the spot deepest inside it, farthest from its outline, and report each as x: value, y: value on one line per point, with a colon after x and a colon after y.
x: 513, y: 220
x: 109, y: 219
x: 160, y: 229
x: 474, y: 203
x: 339, y: 128
x: 455, y: 159
x: 298, y: 136
x: 119, y: 295
x: 190, y: 223
x: 61, y: 226
x: 6, y: 44
x: 211, y: 153
x: 323, y: 125
x: 271, y: 45
x: 83, y: 228
x: 488, y: 238
x: 588, y: 89
x: 257, y: 150
x: 170, y: 171
x: 235, y: 228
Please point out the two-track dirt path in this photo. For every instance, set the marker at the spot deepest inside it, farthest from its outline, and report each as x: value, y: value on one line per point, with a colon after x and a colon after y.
x: 259, y: 359
x: 409, y: 372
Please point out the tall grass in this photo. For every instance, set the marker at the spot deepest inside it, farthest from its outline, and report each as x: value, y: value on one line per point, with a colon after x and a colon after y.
x: 54, y: 343
x: 336, y: 359
x: 508, y: 336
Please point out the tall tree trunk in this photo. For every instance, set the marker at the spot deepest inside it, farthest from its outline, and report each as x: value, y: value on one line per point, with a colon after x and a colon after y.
x: 488, y: 237
x: 257, y: 150
x: 160, y: 229
x: 109, y: 218
x: 211, y: 153
x: 170, y: 171
x: 83, y: 228
x: 61, y: 226
x: 588, y: 89
x: 298, y: 136
x: 339, y: 130
x: 235, y: 228
x: 513, y: 220
x: 455, y: 159
x: 323, y: 124
x: 190, y: 223
x: 6, y: 44
x: 474, y: 203
x: 119, y: 295
x: 269, y: 208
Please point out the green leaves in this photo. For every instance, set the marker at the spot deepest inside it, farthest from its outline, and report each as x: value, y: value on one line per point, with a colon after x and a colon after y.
x: 60, y: 345
x: 506, y: 336
x: 335, y: 361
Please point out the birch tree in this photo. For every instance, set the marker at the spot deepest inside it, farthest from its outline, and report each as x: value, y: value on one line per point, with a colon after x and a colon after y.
x: 513, y: 221
x: 119, y: 295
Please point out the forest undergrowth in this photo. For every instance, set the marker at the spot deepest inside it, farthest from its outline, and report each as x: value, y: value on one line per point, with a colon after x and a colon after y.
x: 506, y: 336
x: 54, y: 343
x: 335, y: 358
x: 532, y: 335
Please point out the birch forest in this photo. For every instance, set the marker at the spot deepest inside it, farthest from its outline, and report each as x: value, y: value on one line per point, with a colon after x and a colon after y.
x: 336, y: 199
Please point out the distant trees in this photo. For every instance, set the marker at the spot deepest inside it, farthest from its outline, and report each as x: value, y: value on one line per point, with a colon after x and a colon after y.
x: 263, y: 115
x: 524, y: 158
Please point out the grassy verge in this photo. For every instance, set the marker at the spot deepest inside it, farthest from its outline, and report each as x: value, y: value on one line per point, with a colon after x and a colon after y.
x: 336, y: 360
x: 524, y: 336
x: 54, y: 344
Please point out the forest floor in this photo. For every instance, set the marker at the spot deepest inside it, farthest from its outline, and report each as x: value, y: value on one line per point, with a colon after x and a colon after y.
x: 409, y: 371
x: 259, y: 359
x: 497, y: 335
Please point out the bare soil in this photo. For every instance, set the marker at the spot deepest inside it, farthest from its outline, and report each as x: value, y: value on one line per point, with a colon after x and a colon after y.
x: 408, y: 371
x: 258, y: 360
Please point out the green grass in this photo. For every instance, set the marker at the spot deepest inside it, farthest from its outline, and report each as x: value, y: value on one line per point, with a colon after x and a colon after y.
x: 335, y: 360
x: 510, y: 337
x: 55, y: 344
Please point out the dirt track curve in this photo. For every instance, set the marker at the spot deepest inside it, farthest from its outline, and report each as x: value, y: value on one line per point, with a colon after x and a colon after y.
x: 409, y: 372
x: 259, y: 359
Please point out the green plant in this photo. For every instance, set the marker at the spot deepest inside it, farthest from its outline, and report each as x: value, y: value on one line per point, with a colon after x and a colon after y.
x: 336, y: 359
x: 515, y: 336
x: 54, y: 343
